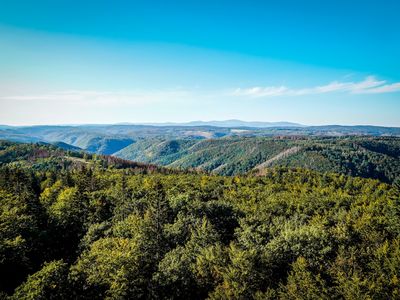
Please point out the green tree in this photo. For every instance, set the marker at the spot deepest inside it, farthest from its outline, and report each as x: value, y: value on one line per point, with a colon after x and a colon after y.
x: 18, y: 238
x: 51, y: 282
x: 304, y: 284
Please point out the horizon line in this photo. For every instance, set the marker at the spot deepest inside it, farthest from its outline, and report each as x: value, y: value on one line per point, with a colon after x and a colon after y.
x: 187, y: 124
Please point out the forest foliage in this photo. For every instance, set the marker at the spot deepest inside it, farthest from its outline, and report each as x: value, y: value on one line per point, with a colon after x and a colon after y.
x: 98, y: 228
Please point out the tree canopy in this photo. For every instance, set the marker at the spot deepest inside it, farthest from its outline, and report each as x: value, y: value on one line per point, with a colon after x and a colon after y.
x: 96, y: 231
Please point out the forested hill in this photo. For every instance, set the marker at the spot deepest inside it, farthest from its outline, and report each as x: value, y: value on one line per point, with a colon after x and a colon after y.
x: 47, y: 157
x: 365, y: 151
x: 107, y: 233
x: 369, y: 157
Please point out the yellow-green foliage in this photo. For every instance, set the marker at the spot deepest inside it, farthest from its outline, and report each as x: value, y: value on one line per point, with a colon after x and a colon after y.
x: 116, y: 234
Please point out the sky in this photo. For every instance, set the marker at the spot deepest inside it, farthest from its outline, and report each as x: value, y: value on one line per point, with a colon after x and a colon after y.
x: 311, y: 62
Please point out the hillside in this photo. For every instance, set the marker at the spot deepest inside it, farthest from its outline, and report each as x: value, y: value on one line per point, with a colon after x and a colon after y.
x: 66, y: 146
x: 47, y: 157
x: 104, y: 231
x: 228, y: 151
x: 109, y: 139
x: 369, y: 157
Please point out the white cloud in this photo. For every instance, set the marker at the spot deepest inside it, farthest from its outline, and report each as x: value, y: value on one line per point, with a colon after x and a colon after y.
x: 262, y: 92
x: 370, y: 85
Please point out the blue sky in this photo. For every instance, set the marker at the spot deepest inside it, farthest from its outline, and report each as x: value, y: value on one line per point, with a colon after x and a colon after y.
x: 312, y: 62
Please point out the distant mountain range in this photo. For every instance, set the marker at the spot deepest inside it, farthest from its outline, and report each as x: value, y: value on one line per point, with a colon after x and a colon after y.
x: 225, y: 123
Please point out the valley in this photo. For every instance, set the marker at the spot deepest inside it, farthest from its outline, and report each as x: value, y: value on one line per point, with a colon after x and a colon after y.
x: 365, y: 151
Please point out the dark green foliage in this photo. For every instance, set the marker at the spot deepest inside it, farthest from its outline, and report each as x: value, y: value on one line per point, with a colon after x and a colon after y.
x: 94, y: 230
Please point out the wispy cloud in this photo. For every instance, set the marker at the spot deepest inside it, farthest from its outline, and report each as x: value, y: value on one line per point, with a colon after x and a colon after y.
x: 387, y: 88
x: 369, y: 85
x: 103, y: 98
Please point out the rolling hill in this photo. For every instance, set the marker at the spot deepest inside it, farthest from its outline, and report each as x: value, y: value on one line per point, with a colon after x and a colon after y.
x: 108, y: 139
x: 366, y: 151
x: 47, y: 157
x: 370, y: 157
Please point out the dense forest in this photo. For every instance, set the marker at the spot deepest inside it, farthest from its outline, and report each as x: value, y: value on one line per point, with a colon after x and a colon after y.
x: 82, y: 226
